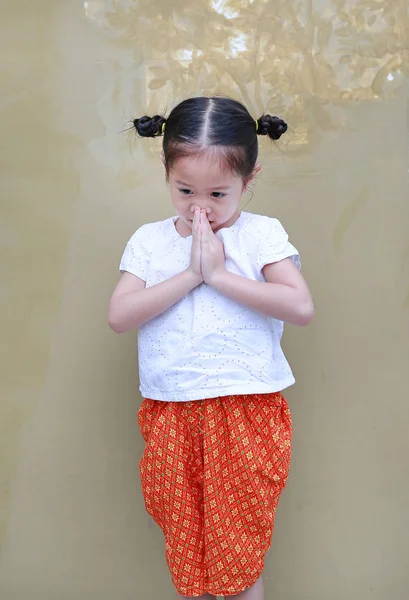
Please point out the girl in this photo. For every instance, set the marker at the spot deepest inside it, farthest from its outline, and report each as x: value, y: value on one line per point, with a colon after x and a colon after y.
x: 209, y: 290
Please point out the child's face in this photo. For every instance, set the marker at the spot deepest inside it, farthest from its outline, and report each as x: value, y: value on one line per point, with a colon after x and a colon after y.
x: 198, y: 181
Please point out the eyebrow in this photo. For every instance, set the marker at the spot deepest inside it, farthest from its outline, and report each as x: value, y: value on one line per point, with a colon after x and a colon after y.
x: 214, y: 187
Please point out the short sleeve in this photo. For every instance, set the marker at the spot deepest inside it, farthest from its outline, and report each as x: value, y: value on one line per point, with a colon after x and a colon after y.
x: 274, y: 245
x: 136, y: 256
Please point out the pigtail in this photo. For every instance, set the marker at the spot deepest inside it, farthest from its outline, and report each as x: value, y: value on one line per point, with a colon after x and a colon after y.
x: 274, y: 127
x: 150, y: 126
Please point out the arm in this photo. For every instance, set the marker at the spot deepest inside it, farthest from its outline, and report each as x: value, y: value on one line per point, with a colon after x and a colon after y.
x: 284, y: 295
x: 132, y: 304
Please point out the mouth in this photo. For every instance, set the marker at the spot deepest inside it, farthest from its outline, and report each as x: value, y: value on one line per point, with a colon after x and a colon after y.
x: 191, y: 221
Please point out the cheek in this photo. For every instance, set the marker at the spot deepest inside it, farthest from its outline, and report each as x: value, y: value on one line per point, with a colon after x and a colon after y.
x: 233, y: 202
x: 176, y: 199
x: 181, y: 204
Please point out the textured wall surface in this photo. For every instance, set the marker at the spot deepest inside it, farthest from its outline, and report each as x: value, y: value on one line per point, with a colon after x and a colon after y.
x: 73, y: 190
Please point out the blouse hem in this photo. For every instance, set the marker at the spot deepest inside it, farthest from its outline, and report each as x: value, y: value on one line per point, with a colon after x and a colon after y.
x: 206, y: 394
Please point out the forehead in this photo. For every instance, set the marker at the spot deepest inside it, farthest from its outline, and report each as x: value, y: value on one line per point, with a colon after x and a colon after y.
x: 202, y: 169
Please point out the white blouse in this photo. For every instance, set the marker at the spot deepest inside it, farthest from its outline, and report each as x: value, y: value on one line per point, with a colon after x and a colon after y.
x: 207, y: 345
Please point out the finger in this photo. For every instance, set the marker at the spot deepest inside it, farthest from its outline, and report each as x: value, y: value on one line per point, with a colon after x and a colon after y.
x: 204, y: 225
x: 207, y: 231
x: 199, y: 223
x: 207, y: 223
x: 196, y: 222
x: 204, y: 219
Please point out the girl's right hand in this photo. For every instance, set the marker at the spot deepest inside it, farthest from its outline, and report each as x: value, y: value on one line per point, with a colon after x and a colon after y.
x: 195, y: 266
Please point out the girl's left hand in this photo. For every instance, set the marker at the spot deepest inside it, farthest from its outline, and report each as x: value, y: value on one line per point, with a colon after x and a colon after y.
x: 213, y: 257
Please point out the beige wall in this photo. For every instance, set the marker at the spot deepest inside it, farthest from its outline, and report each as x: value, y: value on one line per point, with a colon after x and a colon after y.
x: 72, y: 522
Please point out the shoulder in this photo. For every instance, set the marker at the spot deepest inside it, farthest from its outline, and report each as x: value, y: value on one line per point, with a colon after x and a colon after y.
x: 150, y: 231
x: 272, y: 240
x: 261, y: 227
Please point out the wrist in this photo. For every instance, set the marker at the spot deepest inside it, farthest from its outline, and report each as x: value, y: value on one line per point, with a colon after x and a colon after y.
x: 193, y: 278
x: 216, y: 278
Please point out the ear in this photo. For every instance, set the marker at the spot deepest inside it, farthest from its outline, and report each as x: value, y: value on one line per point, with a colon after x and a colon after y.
x: 257, y: 169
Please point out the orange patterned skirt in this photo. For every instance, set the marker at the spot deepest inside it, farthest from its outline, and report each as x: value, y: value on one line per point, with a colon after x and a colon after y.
x: 212, y: 473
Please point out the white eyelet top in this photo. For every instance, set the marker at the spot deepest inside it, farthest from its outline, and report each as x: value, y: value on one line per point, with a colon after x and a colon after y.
x: 207, y: 345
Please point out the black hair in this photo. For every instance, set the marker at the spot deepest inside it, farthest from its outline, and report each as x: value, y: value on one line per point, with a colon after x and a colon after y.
x: 220, y: 124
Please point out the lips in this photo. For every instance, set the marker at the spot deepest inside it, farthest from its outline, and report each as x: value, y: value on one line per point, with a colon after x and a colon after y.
x: 191, y: 221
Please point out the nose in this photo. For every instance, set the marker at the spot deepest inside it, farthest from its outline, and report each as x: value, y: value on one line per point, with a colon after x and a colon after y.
x: 202, y: 207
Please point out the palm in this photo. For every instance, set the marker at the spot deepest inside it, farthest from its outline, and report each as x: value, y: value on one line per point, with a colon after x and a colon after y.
x: 213, y: 257
x: 196, y: 252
